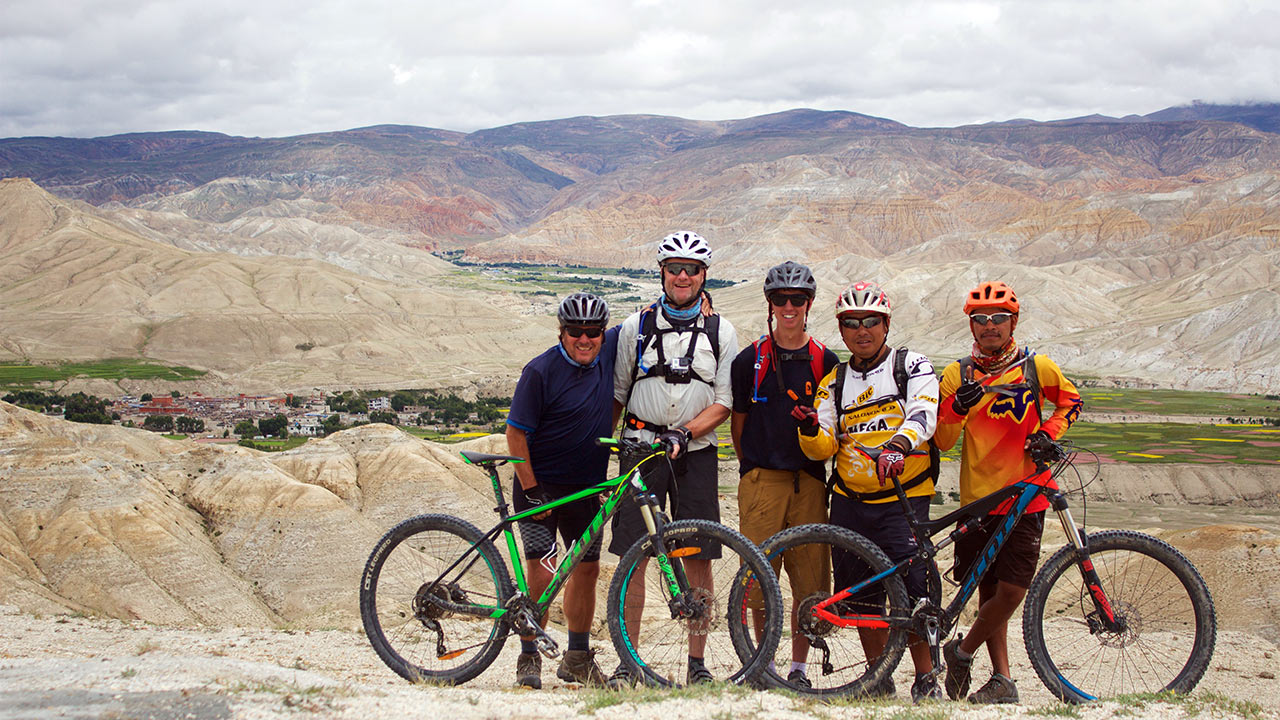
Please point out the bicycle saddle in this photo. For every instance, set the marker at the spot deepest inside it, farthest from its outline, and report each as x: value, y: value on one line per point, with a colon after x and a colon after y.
x: 476, y: 458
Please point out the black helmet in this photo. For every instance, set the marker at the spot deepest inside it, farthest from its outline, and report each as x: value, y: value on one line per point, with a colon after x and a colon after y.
x: 584, y: 309
x: 790, y: 276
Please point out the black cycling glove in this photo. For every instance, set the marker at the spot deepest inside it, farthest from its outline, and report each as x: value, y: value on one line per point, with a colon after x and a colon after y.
x: 536, y: 496
x: 967, y: 395
x: 806, y: 420
x: 1041, y: 447
x: 675, y: 441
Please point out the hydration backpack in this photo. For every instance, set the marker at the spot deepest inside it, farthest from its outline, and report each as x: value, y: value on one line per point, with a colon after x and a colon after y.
x: 813, y: 352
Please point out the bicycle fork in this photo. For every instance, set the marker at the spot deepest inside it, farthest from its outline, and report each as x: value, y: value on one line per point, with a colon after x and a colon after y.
x: 1104, y: 616
x: 672, y: 572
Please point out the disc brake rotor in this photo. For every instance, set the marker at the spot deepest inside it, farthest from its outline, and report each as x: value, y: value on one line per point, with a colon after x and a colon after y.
x: 808, y: 622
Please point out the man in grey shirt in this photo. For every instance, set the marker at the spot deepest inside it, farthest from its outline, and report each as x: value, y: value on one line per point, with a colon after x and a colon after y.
x: 672, y: 380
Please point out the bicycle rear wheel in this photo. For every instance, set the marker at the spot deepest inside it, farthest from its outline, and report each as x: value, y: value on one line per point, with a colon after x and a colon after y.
x: 1168, y: 616
x: 811, y: 558
x: 416, y: 638
x: 654, y: 645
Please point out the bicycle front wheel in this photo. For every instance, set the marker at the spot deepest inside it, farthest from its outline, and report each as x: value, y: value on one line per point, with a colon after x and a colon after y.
x: 415, y: 636
x: 655, y: 635
x: 841, y: 660
x: 1165, y: 610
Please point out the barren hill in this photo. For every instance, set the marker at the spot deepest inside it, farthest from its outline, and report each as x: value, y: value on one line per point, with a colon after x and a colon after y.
x: 1143, y: 247
x: 75, y: 284
x: 125, y: 523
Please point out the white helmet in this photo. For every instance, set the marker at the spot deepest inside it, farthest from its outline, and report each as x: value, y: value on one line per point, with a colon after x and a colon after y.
x: 863, y: 296
x: 684, y: 245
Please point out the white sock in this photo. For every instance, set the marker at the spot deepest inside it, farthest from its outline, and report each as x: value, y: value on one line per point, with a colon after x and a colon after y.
x: 796, y: 665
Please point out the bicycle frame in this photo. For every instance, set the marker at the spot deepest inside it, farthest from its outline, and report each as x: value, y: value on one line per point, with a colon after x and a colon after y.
x: 1020, y: 495
x: 619, y: 488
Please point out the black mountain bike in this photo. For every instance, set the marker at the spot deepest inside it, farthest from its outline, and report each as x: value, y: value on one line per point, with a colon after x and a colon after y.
x: 438, y: 602
x: 1110, y: 613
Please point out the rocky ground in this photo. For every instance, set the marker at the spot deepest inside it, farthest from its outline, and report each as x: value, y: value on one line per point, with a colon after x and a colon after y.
x: 71, y: 666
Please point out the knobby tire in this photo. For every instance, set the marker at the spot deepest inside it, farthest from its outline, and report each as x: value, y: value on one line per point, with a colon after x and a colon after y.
x: 404, y: 563
x: 857, y: 558
x: 656, y: 648
x: 1170, y: 629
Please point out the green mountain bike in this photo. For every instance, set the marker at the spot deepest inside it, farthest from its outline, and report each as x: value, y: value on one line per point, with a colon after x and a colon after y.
x: 438, y: 602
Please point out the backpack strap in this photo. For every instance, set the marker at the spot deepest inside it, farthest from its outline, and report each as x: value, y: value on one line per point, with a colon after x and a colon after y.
x: 1031, y: 376
x: 648, y: 332
x: 765, y: 352
x: 817, y: 351
x: 900, y: 379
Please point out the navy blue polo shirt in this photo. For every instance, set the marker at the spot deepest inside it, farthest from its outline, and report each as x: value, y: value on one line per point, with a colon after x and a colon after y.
x: 563, y: 408
x: 769, y: 433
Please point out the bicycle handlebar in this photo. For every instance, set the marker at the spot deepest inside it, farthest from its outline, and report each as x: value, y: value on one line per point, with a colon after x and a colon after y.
x: 620, y: 445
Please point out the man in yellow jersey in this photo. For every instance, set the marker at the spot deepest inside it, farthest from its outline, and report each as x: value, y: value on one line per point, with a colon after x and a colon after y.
x: 882, y: 398
x: 1002, y: 434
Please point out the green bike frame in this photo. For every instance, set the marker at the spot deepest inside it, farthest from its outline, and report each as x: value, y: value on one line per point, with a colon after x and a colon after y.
x: 617, y: 488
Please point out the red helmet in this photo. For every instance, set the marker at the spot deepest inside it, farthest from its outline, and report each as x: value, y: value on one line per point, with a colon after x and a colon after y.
x: 991, y: 296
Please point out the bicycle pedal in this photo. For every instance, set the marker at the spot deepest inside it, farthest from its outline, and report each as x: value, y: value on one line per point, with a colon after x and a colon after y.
x: 547, y: 647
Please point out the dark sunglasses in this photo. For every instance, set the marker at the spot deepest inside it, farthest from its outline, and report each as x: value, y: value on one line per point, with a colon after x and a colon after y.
x: 675, y: 268
x: 796, y: 299
x: 867, y: 322
x: 997, y: 318
x: 590, y: 331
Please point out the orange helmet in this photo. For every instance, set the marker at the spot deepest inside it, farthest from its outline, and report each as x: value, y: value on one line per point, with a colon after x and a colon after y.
x: 991, y: 295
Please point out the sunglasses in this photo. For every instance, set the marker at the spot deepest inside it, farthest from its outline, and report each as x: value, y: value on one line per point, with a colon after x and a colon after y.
x: 590, y: 331
x: 996, y: 318
x: 867, y: 322
x: 796, y: 299
x: 675, y: 268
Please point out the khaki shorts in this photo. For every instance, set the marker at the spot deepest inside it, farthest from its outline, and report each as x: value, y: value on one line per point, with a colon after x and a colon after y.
x: 770, y: 501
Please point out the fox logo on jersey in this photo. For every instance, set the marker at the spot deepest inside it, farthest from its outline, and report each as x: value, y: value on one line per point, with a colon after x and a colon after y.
x: 1014, y: 407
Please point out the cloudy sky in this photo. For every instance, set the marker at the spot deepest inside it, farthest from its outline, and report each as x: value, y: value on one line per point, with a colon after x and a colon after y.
x: 260, y: 67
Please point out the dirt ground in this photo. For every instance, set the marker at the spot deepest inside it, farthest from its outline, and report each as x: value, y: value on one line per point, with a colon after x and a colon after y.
x: 83, y: 667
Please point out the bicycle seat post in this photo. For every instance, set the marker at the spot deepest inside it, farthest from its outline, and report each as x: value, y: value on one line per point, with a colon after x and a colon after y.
x: 492, y: 469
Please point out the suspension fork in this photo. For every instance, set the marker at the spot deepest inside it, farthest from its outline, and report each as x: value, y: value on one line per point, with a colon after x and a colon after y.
x: 672, y: 572
x: 1104, y: 612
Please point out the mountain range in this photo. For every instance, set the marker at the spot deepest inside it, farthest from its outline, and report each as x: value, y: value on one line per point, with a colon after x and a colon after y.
x: 1144, y: 247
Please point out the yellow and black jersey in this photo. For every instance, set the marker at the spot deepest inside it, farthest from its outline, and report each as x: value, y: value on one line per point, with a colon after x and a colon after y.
x: 869, y: 413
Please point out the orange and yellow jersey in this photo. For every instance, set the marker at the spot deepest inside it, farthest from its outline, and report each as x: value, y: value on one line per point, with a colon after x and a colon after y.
x: 869, y: 414
x: 996, y: 429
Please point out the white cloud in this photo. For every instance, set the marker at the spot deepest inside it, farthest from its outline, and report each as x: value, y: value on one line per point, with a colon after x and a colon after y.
x: 91, y: 68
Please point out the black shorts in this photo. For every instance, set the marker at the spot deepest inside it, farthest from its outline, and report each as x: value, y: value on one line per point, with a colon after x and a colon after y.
x: 886, y: 526
x: 696, y: 496
x: 1016, y: 562
x: 539, y: 536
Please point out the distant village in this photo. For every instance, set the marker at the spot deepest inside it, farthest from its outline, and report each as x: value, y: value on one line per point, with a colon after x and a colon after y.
x: 254, y: 416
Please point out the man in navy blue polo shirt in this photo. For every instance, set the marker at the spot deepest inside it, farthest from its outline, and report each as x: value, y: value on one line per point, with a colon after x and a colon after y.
x: 562, y: 403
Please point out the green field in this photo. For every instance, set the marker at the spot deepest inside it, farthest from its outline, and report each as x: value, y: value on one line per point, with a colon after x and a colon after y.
x: 447, y: 438
x: 1150, y: 443
x: 1180, y: 402
x: 278, y: 445
x: 23, y: 375
x: 1177, y: 443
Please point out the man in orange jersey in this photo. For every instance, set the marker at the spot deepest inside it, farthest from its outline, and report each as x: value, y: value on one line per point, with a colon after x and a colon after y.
x: 1002, y: 433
